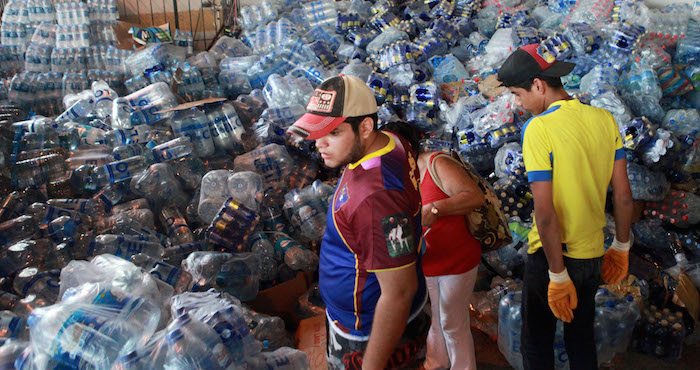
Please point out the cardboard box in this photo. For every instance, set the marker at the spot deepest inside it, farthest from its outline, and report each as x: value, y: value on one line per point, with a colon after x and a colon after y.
x: 281, y: 300
x: 311, y: 338
x: 491, y: 87
x: 124, y: 40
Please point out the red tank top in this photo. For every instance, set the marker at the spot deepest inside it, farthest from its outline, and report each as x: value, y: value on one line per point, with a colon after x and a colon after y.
x: 451, y: 248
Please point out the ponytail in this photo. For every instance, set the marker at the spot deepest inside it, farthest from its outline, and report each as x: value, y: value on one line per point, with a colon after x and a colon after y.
x: 407, y: 131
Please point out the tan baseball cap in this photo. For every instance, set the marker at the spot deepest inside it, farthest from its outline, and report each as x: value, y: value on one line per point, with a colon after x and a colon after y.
x: 333, y: 101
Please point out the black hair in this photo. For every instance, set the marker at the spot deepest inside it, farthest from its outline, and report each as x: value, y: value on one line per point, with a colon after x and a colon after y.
x: 355, y: 122
x: 554, y: 82
x: 407, y: 131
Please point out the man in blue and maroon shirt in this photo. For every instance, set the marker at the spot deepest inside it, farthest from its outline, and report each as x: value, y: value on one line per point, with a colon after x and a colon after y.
x: 370, y: 275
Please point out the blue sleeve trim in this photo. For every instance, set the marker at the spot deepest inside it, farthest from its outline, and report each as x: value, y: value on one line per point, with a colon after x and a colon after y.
x: 533, y: 176
x: 522, y: 132
x: 551, y: 160
x: 619, y: 154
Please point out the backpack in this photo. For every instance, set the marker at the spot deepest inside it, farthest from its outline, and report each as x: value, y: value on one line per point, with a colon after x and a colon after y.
x: 487, y: 223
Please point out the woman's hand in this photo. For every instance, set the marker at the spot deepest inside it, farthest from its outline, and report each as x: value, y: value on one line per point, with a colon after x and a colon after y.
x: 428, y: 218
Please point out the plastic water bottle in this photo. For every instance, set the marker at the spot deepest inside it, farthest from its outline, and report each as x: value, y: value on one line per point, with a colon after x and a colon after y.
x: 225, y: 127
x: 237, y: 274
x: 16, y: 229
x: 127, y: 151
x: 89, y: 334
x: 213, y: 193
x: 88, y: 135
x: 159, y: 185
x: 606, y: 331
x: 89, y: 177
x: 682, y: 122
x: 271, y: 162
x: 128, y: 226
x: 124, y: 246
x: 23, y: 254
x: 126, y: 136
x: 176, y: 254
x: 647, y: 184
x: 179, y: 279
x: 81, y: 108
x: 185, y: 352
x: 628, y: 319
x: 504, y: 307
x: 306, y: 214
x: 36, y: 171
x: 175, y: 224
x: 515, y: 358
x: 104, y: 98
x: 171, y: 150
x: 246, y: 187
x: 43, y: 284
x: 88, y: 206
x: 158, y: 94
x: 193, y: 124
x: 294, y: 254
x: 259, y: 244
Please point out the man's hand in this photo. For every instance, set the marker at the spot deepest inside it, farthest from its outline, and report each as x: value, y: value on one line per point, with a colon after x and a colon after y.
x: 427, y: 217
x: 616, y: 262
x: 561, y: 295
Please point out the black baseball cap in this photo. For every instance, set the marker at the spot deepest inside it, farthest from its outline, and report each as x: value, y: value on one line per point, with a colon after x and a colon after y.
x: 526, y: 63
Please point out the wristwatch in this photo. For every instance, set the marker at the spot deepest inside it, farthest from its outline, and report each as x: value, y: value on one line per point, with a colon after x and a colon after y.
x: 434, y: 210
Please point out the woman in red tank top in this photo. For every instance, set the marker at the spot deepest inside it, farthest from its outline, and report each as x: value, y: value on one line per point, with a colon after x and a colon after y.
x: 450, y: 261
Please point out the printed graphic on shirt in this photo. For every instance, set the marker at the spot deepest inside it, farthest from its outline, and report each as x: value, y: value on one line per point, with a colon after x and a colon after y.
x: 321, y: 101
x: 342, y: 198
x: 398, y: 235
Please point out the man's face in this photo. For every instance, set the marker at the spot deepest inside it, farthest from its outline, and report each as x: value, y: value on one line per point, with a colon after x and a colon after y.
x: 530, y: 100
x: 340, y: 147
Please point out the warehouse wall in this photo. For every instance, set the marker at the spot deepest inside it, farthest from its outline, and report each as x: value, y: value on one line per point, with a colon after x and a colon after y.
x: 198, y: 16
x: 201, y: 15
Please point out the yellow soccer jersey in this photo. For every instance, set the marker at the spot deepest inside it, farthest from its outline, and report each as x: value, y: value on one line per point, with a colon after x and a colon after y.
x: 574, y: 146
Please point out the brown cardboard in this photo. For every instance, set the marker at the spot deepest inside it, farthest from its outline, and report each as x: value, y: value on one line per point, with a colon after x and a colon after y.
x: 281, y: 299
x: 490, y: 87
x: 124, y: 40
x: 311, y: 338
x: 193, y: 104
x: 686, y: 295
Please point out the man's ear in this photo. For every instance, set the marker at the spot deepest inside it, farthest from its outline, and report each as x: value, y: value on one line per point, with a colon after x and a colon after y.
x: 366, y: 127
x: 539, y: 86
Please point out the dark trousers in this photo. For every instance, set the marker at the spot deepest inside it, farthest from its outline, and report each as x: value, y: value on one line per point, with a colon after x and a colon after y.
x: 539, y: 323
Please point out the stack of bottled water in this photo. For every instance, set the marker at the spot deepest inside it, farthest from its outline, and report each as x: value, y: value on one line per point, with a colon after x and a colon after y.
x: 184, y: 39
x: 96, y: 159
x: 615, y: 321
x: 660, y: 332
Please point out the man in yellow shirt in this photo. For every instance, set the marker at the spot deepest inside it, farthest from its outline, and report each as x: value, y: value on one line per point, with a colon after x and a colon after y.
x: 572, y: 152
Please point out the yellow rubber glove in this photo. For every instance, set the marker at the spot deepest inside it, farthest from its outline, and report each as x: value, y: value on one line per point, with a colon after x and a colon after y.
x: 616, y: 262
x: 561, y: 295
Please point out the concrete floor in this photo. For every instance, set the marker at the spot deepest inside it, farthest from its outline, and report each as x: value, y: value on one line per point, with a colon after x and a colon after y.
x: 488, y: 357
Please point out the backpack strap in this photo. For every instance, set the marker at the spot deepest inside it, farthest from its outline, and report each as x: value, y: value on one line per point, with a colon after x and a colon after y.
x: 433, y: 170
